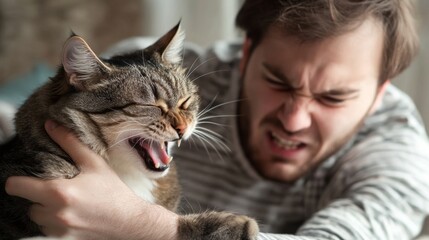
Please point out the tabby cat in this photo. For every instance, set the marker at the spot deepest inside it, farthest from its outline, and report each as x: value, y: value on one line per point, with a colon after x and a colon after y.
x: 129, y: 109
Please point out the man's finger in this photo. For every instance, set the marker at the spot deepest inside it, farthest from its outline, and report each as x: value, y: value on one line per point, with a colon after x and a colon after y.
x: 80, y: 153
x: 26, y: 187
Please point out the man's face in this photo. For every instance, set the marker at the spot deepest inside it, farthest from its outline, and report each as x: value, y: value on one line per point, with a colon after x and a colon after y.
x: 304, y: 100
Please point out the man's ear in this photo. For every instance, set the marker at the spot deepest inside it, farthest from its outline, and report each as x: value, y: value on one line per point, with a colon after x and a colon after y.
x: 379, y: 97
x: 247, y: 45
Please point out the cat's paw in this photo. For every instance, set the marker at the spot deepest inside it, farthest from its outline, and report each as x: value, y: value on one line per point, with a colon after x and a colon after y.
x: 217, y: 226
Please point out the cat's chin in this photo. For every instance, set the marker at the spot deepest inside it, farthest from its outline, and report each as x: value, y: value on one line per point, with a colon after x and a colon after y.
x: 133, y: 171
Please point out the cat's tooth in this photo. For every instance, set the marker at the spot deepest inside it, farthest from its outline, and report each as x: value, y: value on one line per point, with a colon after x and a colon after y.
x: 162, y: 146
x: 157, y: 164
x: 179, y: 142
x: 170, y: 159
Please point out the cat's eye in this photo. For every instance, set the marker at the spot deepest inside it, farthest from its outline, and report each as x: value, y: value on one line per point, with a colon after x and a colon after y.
x: 162, y: 105
x: 184, y: 104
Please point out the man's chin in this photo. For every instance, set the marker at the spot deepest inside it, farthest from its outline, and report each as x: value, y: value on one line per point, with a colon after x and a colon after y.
x: 280, y: 172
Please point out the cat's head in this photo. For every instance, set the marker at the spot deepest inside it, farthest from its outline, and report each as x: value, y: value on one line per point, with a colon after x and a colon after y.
x: 131, y: 106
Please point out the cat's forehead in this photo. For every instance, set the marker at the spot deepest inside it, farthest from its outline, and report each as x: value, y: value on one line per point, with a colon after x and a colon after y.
x: 154, y: 81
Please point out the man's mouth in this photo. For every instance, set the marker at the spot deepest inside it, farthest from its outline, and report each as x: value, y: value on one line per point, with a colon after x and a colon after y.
x: 284, y: 143
x: 152, y: 153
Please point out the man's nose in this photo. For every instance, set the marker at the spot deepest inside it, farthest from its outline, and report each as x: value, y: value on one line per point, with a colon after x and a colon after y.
x: 294, y: 114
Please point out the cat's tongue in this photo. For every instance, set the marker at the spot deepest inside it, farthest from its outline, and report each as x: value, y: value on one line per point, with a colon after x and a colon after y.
x: 157, y: 153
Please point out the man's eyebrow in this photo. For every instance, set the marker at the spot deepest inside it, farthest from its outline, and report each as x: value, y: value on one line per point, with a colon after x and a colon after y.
x: 280, y: 76
x: 274, y: 72
x: 332, y: 92
x: 339, y: 92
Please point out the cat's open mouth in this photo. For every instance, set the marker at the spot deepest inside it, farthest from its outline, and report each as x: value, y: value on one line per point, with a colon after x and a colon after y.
x: 153, y: 154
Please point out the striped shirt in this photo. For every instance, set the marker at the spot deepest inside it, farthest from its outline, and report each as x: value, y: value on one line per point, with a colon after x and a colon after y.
x: 375, y: 187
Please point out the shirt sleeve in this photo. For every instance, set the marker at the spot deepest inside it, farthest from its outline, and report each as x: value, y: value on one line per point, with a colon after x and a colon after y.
x: 379, y: 191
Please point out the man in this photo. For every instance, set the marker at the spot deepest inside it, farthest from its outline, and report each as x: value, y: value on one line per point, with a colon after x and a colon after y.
x: 322, y: 147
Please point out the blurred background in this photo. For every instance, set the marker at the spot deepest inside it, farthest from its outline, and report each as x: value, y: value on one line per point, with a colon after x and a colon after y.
x: 32, y: 33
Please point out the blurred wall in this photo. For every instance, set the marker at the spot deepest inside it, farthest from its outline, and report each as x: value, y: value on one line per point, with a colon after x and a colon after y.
x: 415, y: 80
x: 204, y: 21
x: 33, y: 31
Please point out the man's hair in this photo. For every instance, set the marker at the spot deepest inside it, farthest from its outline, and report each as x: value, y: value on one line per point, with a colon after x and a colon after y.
x: 311, y: 20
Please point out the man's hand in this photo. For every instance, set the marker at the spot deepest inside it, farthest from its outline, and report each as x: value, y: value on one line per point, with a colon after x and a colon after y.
x: 96, y: 204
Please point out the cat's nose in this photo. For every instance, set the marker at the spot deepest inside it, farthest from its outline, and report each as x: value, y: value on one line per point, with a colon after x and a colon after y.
x: 180, y: 129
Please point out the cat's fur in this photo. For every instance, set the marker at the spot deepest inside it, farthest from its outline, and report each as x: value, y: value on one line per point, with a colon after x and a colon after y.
x: 118, y: 107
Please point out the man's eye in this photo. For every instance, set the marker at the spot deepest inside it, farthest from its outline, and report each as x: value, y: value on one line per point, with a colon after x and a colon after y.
x: 277, y: 84
x: 272, y: 81
x: 331, y: 100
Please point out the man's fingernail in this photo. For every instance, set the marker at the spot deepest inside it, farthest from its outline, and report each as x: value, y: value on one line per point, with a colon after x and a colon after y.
x: 50, y: 125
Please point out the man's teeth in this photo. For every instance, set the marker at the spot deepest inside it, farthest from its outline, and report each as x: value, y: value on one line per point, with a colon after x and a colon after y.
x: 285, y: 144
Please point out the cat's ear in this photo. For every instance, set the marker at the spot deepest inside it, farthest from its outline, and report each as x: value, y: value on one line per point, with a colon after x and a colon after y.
x: 80, y: 63
x: 170, y: 46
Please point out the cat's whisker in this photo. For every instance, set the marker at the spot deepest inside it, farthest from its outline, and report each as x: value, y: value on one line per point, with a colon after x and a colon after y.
x: 203, y: 75
x: 126, y: 128
x: 205, y: 109
x: 214, y: 136
x: 204, y: 138
x: 123, y: 132
x: 196, y: 135
x: 193, y: 141
x: 190, y: 68
x: 116, y: 143
x: 216, y: 116
x: 199, y: 65
x: 217, y: 106
x: 208, y: 131
x: 212, y: 123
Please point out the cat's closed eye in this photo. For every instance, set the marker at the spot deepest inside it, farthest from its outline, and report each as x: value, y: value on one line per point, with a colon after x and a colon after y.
x: 184, y: 104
